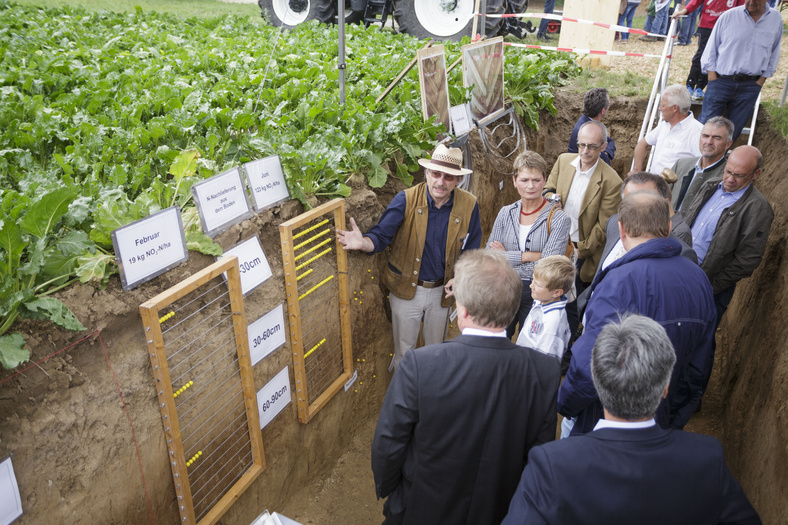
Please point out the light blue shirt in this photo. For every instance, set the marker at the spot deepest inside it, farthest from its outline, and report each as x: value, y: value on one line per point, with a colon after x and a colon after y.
x: 706, y: 222
x: 739, y: 46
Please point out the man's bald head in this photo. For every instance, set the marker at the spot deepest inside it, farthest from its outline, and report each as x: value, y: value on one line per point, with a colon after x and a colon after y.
x: 644, y: 214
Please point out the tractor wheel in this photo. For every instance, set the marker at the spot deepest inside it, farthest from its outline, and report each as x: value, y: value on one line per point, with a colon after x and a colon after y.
x: 436, y: 19
x: 294, y: 12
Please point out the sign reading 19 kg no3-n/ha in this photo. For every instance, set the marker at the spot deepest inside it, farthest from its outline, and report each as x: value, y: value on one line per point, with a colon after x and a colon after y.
x: 149, y: 247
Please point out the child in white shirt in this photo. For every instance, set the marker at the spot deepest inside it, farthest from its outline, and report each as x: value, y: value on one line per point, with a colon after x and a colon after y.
x: 546, y: 328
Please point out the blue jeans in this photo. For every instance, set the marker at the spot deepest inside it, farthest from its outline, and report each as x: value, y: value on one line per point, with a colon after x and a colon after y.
x: 629, y: 14
x: 549, y: 5
x: 688, y: 24
x: 735, y: 100
x: 660, y: 25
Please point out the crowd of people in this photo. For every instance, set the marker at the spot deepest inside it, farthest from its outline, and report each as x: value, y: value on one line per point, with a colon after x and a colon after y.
x: 617, y: 283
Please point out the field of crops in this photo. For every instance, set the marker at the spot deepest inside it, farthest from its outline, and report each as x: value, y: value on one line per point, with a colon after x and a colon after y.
x: 106, y: 118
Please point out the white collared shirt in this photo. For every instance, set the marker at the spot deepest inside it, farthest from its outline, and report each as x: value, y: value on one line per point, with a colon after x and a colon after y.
x: 604, y: 423
x: 575, y: 198
x: 483, y: 333
x: 672, y: 144
x: 615, y: 254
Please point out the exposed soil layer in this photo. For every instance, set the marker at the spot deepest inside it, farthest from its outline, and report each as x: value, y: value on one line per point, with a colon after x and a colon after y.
x: 72, y: 447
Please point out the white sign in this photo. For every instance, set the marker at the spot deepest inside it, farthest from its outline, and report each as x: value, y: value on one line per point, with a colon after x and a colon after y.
x: 267, y: 334
x: 273, y: 397
x: 10, y: 500
x: 266, y: 181
x: 221, y: 201
x: 149, y: 247
x: 252, y: 263
x: 461, y: 119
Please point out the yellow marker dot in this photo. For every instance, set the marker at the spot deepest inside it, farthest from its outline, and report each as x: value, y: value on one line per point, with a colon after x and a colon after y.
x: 200, y: 452
x: 362, y: 293
x: 363, y: 360
x: 191, y: 382
x: 355, y: 298
x: 391, y: 355
x: 358, y: 359
x: 372, y: 277
x: 369, y: 271
x: 355, y: 391
x: 360, y: 302
x: 361, y: 382
x: 374, y: 376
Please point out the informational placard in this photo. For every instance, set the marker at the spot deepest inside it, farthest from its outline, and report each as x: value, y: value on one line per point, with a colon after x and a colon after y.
x: 10, y: 500
x: 149, y: 247
x: 461, y: 119
x: 273, y: 397
x: 482, y: 69
x: 222, y: 201
x: 267, y: 334
x: 266, y: 182
x: 252, y: 263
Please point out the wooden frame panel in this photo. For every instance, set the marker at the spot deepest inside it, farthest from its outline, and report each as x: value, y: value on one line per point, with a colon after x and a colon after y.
x: 331, y: 211
x: 150, y: 312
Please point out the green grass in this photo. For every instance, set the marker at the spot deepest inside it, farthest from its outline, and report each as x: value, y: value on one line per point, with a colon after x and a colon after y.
x: 179, y: 8
x: 779, y: 116
x: 628, y: 84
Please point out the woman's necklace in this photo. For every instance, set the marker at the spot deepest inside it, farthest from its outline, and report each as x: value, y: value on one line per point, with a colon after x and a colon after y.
x: 536, y: 210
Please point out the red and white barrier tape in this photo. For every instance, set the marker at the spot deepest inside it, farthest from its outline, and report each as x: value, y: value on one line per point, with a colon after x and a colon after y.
x: 584, y: 51
x: 548, y: 16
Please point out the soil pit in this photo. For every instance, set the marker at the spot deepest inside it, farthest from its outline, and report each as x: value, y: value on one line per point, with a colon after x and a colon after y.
x: 65, y: 425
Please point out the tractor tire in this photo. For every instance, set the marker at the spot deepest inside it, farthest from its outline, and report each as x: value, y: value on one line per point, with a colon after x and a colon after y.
x: 436, y: 19
x: 295, y: 12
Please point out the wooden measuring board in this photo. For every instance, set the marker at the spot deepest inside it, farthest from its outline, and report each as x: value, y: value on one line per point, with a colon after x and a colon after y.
x: 199, y: 351
x: 317, y: 304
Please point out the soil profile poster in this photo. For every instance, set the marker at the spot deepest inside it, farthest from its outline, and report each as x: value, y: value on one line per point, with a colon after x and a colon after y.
x: 434, y: 84
x: 482, y: 68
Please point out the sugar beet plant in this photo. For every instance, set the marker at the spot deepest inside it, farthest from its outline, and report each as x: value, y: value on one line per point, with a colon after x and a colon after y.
x: 106, y: 118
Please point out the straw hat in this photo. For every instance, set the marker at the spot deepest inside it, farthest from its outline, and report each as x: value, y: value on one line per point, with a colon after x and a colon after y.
x: 447, y: 160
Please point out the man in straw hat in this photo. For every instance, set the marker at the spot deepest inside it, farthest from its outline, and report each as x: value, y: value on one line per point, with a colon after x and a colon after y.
x: 428, y: 226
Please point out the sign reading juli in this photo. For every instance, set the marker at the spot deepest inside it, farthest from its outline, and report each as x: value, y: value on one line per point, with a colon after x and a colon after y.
x: 221, y: 201
x: 267, y: 334
x: 252, y: 263
x: 266, y: 182
x: 149, y: 247
x: 273, y: 397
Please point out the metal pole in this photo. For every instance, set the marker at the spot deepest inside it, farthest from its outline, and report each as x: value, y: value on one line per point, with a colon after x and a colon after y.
x: 341, y: 66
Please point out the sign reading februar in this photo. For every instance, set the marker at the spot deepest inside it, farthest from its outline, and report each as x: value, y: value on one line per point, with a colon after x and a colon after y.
x: 149, y: 247
x: 273, y: 397
x: 266, y: 181
x: 252, y: 263
x: 221, y: 201
x: 267, y: 334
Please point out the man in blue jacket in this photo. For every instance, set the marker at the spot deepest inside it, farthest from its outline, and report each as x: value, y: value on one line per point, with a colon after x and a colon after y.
x: 654, y: 280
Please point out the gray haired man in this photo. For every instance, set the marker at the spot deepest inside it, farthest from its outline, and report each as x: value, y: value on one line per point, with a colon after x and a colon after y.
x: 633, y: 471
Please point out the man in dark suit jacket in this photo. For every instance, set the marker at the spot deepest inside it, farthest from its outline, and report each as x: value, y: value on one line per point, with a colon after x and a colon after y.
x: 629, y: 470
x: 460, y: 417
x: 715, y: 139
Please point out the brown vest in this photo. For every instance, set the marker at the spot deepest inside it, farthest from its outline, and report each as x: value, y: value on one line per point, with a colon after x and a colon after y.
x: 402, y: 272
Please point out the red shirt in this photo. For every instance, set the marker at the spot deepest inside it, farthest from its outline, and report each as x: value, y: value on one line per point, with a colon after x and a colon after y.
x: 712, y: 9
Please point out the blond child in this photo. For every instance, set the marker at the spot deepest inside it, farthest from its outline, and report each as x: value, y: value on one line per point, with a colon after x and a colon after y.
x: 546, y: 328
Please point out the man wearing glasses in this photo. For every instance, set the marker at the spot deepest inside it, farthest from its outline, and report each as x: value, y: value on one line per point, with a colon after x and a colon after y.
x: 590, y: 193
x: 676, y: 137
x: 428, y: 226
x: 730, y: 221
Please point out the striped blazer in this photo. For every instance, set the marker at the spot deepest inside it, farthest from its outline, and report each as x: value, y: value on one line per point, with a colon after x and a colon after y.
x: 506, y: 230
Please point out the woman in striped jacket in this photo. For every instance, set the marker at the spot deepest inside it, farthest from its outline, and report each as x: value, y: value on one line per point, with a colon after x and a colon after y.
x: 521, y: 229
